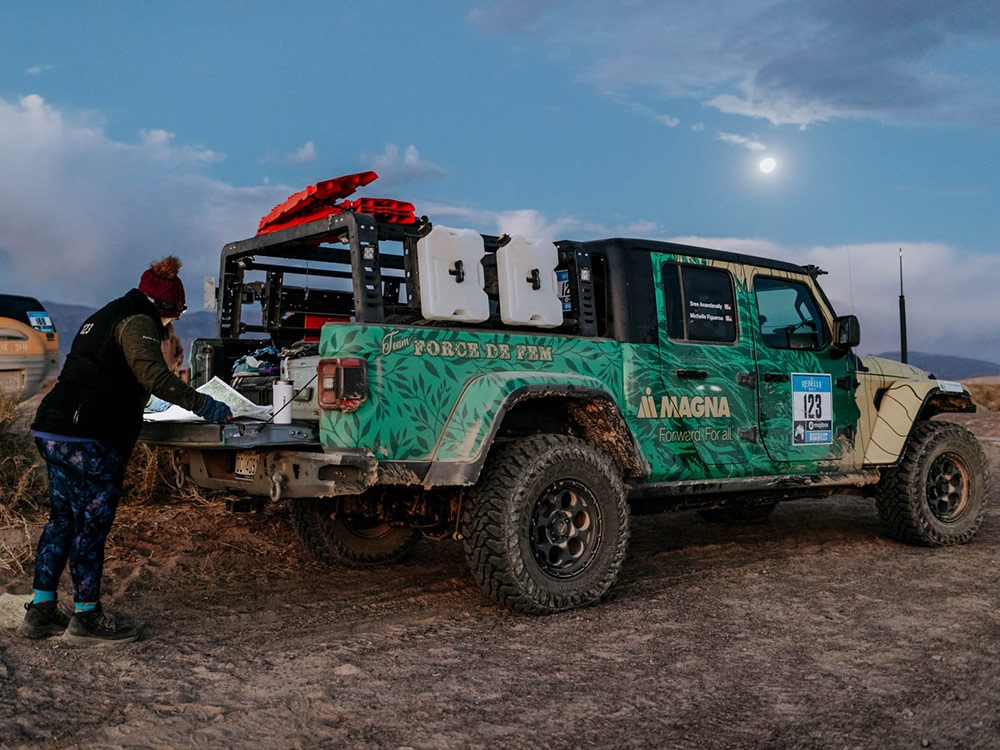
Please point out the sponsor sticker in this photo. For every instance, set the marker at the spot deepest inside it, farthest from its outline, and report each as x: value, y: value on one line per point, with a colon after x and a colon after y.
x: 950, y: 386
x: 41, y: 322
x: 562, y: 281
x: 812, y: 408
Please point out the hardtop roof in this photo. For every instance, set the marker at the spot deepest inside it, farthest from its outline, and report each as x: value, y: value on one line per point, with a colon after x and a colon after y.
x: 626, y: 244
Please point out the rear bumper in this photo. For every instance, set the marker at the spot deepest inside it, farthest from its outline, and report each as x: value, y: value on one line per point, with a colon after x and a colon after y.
x: 279, y: 474
x: 276, y: 460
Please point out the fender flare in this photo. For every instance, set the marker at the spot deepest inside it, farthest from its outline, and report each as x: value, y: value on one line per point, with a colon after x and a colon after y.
x: 470, y: 429
x: 901, y: 406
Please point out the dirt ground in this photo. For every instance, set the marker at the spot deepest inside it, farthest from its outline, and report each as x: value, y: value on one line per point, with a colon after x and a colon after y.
x: 811, y: 631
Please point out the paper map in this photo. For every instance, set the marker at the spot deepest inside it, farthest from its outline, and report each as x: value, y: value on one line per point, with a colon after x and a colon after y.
x: 220, y: 391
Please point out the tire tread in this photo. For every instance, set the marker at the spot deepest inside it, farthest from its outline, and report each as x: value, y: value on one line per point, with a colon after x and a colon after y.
x: 899, y: 494
x: 487, y: 516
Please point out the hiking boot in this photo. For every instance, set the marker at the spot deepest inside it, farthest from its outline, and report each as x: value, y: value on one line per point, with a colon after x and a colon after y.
x: 43, y: 619
x: 98, y: 628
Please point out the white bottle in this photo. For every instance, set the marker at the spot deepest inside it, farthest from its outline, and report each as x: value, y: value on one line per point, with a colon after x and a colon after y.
x: 281, y: 406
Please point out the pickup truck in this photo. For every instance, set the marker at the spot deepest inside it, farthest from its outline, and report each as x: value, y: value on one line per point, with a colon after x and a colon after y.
x: 527, y: 397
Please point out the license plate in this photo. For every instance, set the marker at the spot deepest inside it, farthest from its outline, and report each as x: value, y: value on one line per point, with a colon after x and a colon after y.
x: 12, y: 381
x: 246, y: 465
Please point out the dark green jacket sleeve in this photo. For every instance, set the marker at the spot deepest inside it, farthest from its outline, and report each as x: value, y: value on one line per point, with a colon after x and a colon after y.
x: 139, y: 339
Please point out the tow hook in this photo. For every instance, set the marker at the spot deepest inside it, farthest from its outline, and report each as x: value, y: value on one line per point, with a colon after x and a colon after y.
x: 277, y: 482
x: 180, y: 470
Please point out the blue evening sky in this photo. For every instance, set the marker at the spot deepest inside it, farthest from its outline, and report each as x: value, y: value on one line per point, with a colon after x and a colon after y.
x: 132, y: 130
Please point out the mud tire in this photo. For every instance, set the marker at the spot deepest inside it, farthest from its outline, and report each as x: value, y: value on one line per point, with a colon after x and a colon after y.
x: 351, y: 543
x: 546, y: 529
x: 938, y: 493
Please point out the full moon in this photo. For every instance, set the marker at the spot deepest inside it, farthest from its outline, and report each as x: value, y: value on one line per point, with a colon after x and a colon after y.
x: 768, y: 165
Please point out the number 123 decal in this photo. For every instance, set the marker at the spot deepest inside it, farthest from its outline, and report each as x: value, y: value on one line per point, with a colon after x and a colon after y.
x: 812, y: 408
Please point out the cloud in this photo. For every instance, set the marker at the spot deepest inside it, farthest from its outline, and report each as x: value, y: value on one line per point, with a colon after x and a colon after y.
x: 159, y: 145
x: 305, y: 155
x: 789, y: 63
x: 641, y: 228
x: 950, y: 296
x: 757, y: 246
x: 82, y: 215
x: 527, y: 222
x: 532, y: 223
x: 644, y: 110
x: 36, y: 70
x: 741, y: 140
x: 779, y: 110
x: 396, y: 169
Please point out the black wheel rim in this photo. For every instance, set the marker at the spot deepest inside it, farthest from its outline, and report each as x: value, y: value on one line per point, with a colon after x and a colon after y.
x: 947, y: 488
x: 565, y: 529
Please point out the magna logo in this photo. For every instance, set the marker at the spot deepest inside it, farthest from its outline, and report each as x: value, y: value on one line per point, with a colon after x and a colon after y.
x: 682, y: 406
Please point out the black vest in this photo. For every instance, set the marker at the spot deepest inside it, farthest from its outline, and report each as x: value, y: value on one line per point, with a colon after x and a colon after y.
x: 97, y: 395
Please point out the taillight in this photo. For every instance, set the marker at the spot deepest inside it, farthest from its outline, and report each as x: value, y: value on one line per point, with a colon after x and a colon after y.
x: 343, y: 383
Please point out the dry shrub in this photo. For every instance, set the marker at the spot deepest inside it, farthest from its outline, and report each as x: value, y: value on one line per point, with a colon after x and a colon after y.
x: 986, y: 395
x: 22, y: 472
x: 149, y: 476
x: 23, y: 487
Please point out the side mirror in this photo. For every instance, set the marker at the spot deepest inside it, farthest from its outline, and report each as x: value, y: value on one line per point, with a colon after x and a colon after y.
x: 846, y: 332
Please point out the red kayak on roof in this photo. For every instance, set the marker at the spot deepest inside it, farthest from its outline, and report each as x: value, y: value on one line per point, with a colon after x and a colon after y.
x: 321, y: 199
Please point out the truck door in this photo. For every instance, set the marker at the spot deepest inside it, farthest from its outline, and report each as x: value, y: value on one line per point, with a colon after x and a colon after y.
x: 806, y: 386
x: 708, y: 405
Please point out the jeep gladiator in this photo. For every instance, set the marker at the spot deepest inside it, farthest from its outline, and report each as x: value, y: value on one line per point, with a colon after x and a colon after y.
x: 527, y: 397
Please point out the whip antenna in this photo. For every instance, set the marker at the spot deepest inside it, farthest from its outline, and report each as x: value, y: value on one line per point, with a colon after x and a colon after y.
x: 902, y: 312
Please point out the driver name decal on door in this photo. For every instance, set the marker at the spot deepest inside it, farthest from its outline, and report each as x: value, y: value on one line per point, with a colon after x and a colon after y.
x: 812, y: 409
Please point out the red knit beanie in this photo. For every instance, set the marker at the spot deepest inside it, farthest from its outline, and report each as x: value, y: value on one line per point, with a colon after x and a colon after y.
x: 160, y: 283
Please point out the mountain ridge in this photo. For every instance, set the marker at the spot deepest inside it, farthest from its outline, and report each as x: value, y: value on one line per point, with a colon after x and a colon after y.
x: 945, y: 366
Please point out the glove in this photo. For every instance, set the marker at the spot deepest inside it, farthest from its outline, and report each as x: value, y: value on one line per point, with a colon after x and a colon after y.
x: 215, y: 411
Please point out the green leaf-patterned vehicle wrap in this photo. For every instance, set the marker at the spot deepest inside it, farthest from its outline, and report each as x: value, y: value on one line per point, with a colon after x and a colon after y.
x: 438, y: 394
x: 435, y: 394
x: 679, y: 414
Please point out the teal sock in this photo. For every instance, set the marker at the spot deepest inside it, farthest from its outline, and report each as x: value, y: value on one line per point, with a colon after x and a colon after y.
x: 43, y: 596
x: 85, y: 606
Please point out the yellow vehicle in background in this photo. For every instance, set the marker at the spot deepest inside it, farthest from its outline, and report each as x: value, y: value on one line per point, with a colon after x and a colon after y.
x: 29, y: 346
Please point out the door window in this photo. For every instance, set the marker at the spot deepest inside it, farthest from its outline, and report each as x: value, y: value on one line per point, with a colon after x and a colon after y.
x: 700, y: 304
x: 789, y: 317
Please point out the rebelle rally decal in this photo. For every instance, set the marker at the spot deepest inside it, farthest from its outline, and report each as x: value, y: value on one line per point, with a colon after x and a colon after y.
x: 812, y: 409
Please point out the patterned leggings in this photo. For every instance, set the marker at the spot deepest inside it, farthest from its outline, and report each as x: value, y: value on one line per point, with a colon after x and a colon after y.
x: 85, y: 483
